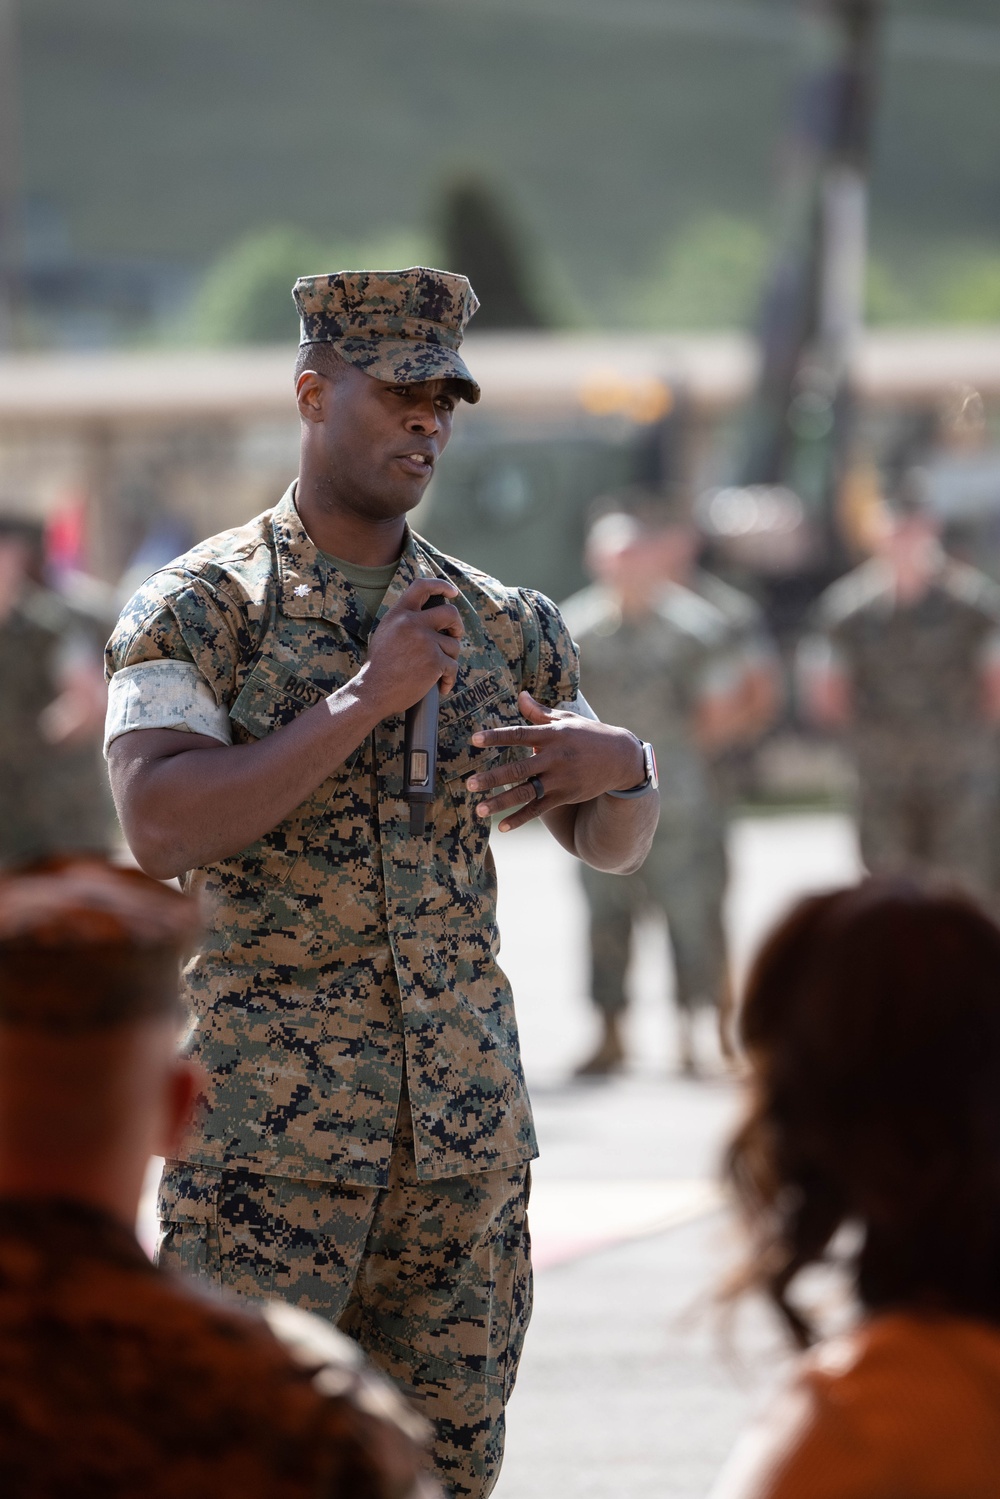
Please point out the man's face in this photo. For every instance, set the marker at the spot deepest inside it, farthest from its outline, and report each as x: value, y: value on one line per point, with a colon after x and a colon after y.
x: 372, y: 446
x: 623, y: 554
x: 676, y: 547
x: 911, y: 541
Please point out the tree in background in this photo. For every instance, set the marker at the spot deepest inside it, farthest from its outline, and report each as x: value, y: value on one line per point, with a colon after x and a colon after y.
x: 943, y: 283
x: 481, y: 240
x: 705, y: 276
x: 246, y: 294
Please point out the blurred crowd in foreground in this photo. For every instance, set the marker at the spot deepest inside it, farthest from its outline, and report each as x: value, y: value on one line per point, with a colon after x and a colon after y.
x: 899, y: 659
x: 871, y: 1031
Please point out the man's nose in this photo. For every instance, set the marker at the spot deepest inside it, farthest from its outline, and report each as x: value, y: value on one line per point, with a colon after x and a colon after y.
x: 422, y: 418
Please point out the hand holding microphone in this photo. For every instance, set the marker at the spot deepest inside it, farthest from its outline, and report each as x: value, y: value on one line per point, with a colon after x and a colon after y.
x: 416, y: 648
x: 420, y: 741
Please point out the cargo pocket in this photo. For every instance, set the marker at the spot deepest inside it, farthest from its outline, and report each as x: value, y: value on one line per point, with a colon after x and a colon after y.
x: 188, y: 1208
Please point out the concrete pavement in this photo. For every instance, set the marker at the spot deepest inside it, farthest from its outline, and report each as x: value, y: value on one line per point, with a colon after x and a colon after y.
x: 628, y: 1387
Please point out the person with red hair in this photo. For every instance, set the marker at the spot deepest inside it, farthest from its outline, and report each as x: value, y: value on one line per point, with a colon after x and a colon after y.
x: 871, y: 1025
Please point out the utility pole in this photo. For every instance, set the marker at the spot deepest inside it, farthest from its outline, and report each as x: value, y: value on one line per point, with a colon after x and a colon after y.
x: 813, y: 304
x: 10, y: 180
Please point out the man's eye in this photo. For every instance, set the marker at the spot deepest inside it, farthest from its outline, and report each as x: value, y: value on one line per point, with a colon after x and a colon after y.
x: 447, y: 403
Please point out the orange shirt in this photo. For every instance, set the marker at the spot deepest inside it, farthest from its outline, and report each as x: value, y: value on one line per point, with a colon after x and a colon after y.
x: 907, y: 1406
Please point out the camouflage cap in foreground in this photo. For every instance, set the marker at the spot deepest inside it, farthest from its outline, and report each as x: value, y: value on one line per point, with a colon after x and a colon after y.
x: 84, y: 944
x: 398, y: 326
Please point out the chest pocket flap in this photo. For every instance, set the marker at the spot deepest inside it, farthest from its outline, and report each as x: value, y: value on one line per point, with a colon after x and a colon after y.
x: 487, y: 700
x: 272, y: 696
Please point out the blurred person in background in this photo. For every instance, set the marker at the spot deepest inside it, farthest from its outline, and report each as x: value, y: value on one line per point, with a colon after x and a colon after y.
x: 760, y: 690
x: 659, y: 658
x: 871, y: 1026
x: 904, y: 660
x: 53, y: 789
x: 117, y: 1378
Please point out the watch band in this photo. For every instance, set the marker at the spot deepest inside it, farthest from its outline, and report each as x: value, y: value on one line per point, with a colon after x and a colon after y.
x: 652, y: 777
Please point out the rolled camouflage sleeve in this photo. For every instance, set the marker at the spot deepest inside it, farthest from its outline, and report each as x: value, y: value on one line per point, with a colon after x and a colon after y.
x: 550, y: 665
x: 172, y: 660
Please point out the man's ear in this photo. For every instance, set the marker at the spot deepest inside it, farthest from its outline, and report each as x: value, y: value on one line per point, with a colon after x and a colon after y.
x: 185, y: 1084
x: 311, y: 394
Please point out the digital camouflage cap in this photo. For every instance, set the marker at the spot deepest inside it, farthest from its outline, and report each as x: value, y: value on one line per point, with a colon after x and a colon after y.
x: 398, y: 326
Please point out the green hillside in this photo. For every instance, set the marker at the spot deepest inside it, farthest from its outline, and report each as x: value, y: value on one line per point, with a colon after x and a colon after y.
x: 617, y: 130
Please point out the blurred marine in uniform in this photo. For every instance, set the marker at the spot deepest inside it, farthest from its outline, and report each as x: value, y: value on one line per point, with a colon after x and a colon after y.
x: 904, y: 659
x: 365, y: 1143
x: 118, y: 1379
x: 756, y: 699
x: 758, y: 693
x: 53, y: 792
x: 658, y: 657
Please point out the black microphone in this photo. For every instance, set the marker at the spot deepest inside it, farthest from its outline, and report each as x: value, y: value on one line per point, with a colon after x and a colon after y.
x: 420, y: 742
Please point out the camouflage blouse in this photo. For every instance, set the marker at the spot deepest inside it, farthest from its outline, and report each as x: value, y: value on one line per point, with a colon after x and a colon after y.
x: 341, y: 948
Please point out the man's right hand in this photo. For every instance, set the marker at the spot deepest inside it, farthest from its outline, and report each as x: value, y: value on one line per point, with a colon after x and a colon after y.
x: 186, y: 800
x: 412, y: 648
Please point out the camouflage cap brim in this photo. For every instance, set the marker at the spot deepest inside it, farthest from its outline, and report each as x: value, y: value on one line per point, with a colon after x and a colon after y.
x: 406, y: 361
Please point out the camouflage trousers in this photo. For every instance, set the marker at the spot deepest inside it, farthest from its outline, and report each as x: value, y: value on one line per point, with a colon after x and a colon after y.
x: 941, y: 826
x: 433, y: 1279
x: 684, y: 880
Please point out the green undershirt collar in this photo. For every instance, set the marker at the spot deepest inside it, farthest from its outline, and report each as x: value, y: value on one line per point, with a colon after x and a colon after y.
x: 369, y: 583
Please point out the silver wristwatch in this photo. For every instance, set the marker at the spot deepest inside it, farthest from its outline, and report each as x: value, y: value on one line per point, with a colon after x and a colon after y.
x: 652, y: 777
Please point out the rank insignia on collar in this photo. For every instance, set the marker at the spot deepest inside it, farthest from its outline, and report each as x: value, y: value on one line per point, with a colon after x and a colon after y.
x: 301, y: 591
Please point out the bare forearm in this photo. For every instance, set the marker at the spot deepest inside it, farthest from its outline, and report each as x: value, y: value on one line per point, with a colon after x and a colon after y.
x: 608, y: 833
x: 186, y: 800
x: 188, y: 808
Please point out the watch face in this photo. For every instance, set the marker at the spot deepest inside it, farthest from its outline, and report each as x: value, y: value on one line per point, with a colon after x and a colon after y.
x: 652, y: 775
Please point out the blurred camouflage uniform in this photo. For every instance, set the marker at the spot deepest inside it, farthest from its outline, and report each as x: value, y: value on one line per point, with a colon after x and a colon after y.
x: 120, y: 1380
x: 348, y: 961
x: 924, y: 753
x: 751, y: 648
x: 651, y: 674
x: 51, y: 796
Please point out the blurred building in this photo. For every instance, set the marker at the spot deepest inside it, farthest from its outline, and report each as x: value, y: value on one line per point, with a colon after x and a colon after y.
x: 186, y: 443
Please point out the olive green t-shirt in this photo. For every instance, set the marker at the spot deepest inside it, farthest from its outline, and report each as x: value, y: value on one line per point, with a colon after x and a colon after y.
x: 370, y: 583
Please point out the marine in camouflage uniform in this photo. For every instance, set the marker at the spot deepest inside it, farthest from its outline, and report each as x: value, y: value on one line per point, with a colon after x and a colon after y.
x: 366, y: 1132
x: 52, y: 796
x: 917, y: 675
x: 116, y: 1378
x: 653, y: 672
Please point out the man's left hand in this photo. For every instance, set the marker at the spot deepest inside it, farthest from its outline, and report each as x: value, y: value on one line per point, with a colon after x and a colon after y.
x: 574, y: 759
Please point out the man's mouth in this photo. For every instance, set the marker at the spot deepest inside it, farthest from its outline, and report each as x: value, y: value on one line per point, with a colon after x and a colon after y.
x: 417, y: 462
